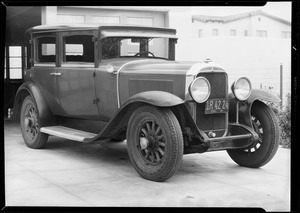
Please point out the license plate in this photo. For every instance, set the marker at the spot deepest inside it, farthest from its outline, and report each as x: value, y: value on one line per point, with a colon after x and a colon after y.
x: 216, y: 106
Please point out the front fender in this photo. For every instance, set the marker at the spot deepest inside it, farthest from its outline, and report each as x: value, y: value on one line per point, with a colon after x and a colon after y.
x: 245, y: 106
x: 46, y: 117
x: 118, y: 124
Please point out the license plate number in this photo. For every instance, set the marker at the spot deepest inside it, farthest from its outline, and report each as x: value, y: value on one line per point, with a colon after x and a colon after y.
x: 216, y: 106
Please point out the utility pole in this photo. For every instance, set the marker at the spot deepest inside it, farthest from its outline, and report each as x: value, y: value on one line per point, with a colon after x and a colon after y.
x: 281, y: 85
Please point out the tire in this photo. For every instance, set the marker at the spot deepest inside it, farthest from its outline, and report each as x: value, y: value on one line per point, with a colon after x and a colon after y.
x: 265, y: 125
x: 154, y: 143
x: 29, y: 122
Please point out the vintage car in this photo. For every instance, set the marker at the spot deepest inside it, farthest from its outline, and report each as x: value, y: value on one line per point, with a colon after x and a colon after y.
x: 89, y: 83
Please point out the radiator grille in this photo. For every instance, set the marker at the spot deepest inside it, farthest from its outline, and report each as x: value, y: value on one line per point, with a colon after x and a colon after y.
x: 219, y: 89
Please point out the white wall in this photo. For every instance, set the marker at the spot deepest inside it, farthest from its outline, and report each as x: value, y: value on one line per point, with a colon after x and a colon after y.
x: 252, y: 24
x: 181, y: 20
x: 273, y: 27
x: 224, y: 28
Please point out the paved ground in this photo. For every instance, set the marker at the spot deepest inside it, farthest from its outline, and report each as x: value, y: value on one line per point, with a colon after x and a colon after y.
x: 68, y: 173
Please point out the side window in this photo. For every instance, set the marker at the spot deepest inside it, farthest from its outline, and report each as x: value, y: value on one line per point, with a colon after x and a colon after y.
x: 78, y: 48
x: 45, y: 50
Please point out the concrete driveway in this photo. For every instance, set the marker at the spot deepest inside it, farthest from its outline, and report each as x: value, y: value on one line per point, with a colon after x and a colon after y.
x: 68, y: 173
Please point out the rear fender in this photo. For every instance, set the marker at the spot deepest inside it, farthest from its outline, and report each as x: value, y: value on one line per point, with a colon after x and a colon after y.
x: 245, y: 106
x: 46, y: 117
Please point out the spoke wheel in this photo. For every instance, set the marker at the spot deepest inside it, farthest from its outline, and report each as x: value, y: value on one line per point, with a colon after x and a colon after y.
x: 155, y: 143
x: 151, y: 143
x: 29, y: 122
x: 265, y: 124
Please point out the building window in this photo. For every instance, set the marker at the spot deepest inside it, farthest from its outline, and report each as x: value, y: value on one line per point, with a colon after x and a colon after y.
x: 140, y: 21
x: 246, y: 33
x: 78, y: 48
x: 70, y: 18
x: 215, y: 32
x: 233, y: 32
x: 15, y: 62
x: 106, y: 19
x: 261, y: 33
x: 285, y: 34
x: 200, y: 33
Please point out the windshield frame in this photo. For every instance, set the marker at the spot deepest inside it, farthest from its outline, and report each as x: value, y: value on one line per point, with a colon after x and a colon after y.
x: 170, y: 55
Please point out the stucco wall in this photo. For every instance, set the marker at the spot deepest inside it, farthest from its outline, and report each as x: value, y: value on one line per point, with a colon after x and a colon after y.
x: 251, y: 24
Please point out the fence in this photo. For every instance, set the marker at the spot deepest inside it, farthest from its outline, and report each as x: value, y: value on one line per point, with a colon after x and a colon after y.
x: 276, y: 80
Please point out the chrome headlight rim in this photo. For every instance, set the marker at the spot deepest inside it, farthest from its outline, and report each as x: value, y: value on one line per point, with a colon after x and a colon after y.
x: 234, y: 85
x: 192, y: 84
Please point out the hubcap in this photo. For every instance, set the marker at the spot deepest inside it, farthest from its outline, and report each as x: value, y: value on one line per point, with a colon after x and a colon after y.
x: 151, y: 145
x: 144, y: 143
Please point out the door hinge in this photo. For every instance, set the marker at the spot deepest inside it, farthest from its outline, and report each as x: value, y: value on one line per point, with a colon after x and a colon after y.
x: 96, y: 101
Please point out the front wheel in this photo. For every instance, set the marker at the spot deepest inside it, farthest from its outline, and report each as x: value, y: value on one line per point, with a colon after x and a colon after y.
x: 155, y: 143
x: 265, y: 125
x: 29, y: 122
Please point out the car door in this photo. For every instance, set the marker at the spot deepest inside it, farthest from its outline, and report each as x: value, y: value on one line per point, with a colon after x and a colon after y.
x: 75, y: 75
x: 44, y: 47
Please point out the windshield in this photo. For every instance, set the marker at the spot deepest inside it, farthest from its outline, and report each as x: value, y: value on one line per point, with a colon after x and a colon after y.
x: 116, y: 47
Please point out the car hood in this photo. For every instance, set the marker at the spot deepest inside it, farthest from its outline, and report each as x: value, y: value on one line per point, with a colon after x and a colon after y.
x: 159, y: 66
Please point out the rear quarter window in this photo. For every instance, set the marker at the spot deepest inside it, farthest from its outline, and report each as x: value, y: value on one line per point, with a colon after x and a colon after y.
x: 45, y: 50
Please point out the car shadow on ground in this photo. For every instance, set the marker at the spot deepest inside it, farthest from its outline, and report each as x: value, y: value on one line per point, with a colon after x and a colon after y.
x: 116, y: 154
x: 106, y: 153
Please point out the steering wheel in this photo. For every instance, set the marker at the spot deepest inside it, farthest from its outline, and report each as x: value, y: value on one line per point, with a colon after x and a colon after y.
x: 143, y: 52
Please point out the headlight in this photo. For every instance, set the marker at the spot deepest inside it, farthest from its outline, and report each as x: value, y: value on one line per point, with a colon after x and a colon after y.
x: 241, y: 88
x: 200, y: 89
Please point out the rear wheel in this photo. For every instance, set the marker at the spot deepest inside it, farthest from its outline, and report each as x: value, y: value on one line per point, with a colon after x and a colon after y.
x: 265, y: 125
x: 29, y: 122
x: 155, y: 143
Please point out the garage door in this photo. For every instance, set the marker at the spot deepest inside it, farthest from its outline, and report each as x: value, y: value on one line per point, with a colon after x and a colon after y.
x: 109, y: 16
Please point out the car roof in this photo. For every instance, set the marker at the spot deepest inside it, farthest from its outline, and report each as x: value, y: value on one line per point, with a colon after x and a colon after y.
x: 108, y: 30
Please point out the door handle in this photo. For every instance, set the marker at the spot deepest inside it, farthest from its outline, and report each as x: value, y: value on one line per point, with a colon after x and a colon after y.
x: 55, y: 73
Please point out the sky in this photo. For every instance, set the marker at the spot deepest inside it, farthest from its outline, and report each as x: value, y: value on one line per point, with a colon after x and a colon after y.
x: 279, y: 9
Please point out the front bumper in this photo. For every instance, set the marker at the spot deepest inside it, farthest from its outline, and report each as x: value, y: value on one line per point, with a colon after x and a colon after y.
x: 239, y: 136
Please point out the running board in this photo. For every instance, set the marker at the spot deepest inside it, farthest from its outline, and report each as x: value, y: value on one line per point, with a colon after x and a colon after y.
x: 67, y: 133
